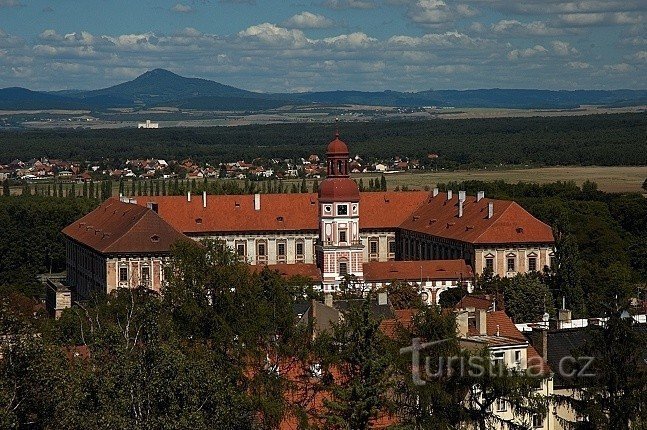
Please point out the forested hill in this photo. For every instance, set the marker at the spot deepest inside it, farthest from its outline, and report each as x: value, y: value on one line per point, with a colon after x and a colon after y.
x: 162, y: 87
x: 605, y: 140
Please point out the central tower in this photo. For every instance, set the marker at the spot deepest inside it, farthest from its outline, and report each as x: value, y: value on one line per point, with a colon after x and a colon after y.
x: 340, y: 251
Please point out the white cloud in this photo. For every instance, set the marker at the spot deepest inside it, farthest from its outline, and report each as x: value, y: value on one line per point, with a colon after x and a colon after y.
x: 308, y: 20
x: 450, y: 39
x: 600, y: 18
x: 619, y: 68
x: 563, y: 49
x: 182, y: 8
x: 352, y: 41
x: 516, y: 54
x: 274, y: 35
x: 514, y: 27
x: 640, y: 56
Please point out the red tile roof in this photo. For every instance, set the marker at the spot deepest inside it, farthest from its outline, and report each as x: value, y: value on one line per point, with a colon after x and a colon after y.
x: 118, y: 227
x: 278, y: 212
x: 510, y: 223
x: 415, y: 270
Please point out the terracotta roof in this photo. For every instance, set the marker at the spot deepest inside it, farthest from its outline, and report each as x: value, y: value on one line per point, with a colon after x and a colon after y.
x: 118, y: 227
x: 278, y: 212
x: 337, y: 147
x: 415, y: 270
x: 510, y: 222
x: 338, y: 190
x: 310, y: 271
x: 476, y: 302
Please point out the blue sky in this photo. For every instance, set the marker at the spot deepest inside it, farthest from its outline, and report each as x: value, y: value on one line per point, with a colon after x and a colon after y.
x: 302, y: 45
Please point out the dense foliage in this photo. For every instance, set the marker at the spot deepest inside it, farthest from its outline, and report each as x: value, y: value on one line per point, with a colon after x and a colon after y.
x: 606, y: 140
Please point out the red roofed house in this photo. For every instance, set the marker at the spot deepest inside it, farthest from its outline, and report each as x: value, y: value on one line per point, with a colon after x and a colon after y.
x: 117, y: 245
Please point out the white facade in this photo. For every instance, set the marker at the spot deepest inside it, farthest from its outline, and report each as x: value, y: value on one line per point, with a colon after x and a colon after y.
x: 148, y: 124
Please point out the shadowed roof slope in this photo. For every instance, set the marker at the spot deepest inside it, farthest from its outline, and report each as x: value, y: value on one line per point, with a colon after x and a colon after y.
x: 118, y: 227
x: 510, y: 223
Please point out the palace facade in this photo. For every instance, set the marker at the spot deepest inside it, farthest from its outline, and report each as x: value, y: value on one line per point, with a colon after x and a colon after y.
x: 436, y: 240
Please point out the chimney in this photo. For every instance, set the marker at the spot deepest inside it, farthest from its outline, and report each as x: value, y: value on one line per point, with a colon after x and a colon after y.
x: 462, y: 318
x: 539, y: 339
x: 434, y: 193
x: 480, y: 195
x: 564, y: 316
x: 460, y: 208
x: 449, y: 194
x: 204, y: 199
x: 490, y: 210
x: 382, y: 299
x: 257, y: 202
x: 188, y: 196
x: 462, y: 195
x: 481, y: 321
x: 328, y: 300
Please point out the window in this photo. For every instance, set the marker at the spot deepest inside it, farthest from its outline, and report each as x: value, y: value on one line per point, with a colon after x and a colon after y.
x: 501, y: 405
x: 343, y: 269
x: 373, y: 246
x: 532, y: 264
x: 342, y: 210
x: 517, y: 358
x: 392, y: 247
x: 498, y: 359
x: 281, y: 249
x: 342, y: 236
x: 240, y: 249
x: 261, y: 249
x: 489, y: 264
x: 551, y: 261
x: 299, y: 248
x: 537, y: 421
x: 511, y: 264
x: 123, y: 274
x: 146, y: 275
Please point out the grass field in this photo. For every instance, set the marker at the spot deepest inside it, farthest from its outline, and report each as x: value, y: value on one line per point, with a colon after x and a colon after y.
x: 610, y: 179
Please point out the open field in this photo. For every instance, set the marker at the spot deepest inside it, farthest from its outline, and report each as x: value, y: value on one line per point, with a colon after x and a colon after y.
x: 610, y: 179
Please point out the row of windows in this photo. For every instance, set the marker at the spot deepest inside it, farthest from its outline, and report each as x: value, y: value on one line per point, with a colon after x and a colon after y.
x: 261, y: 249
x: 145, y: 274
x: 374, y: 247
x: 511, y: 263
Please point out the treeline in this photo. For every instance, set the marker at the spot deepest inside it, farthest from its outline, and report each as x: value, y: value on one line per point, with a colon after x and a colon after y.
x: 601, y: 239
x: 30, y: 238
x: 605, y: 140
x: 222, y: 348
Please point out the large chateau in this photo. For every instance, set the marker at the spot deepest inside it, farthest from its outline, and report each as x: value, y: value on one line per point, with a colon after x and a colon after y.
x: 437, y: 240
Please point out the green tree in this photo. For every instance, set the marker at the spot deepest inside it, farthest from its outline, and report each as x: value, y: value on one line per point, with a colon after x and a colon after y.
x: 315, y: 186
x: 527, y: 298
x: 359, y: 394
x: 383, y: 183
x: 5, y: 188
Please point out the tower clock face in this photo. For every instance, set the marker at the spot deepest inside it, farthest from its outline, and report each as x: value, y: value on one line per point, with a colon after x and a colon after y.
x: 342, y: 210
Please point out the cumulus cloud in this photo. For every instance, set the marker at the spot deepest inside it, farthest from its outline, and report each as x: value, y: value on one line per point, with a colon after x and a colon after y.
x: 517, y: 28
x: 563, y: 49
x: 354, y: 40
x: 272, y: 34
x: 599, y: 18
x: 308, y: 20
x: 536, y: 50
x: 640, y: 56
x: 182, y: 8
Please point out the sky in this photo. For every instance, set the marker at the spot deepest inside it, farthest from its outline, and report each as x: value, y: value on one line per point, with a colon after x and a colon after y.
x: 320, y: 45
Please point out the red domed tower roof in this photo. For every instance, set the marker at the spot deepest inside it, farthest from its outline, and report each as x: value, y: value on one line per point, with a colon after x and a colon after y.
x: 337, y: 147
x: 338, y: 187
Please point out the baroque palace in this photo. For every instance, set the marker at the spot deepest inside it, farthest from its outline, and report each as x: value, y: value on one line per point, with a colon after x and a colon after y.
x: 436, y: 240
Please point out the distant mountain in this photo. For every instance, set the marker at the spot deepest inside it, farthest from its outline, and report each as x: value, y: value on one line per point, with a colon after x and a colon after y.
x: 16, y: 98
x: 160, y: 87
